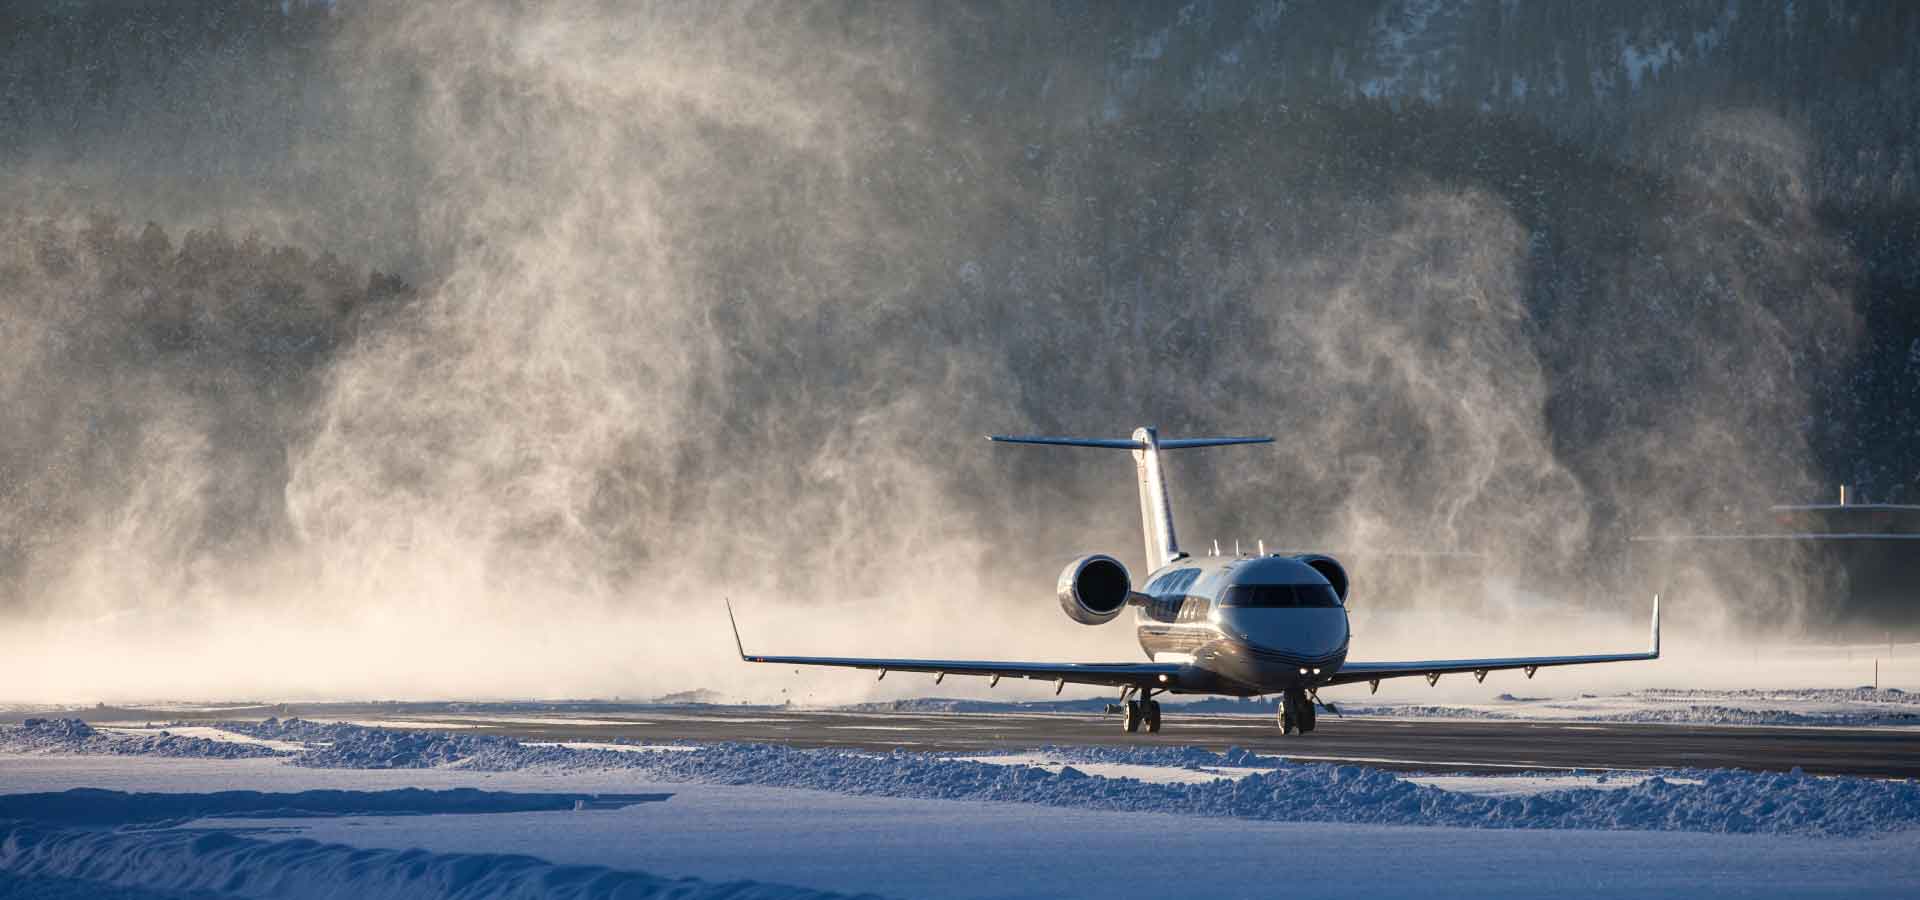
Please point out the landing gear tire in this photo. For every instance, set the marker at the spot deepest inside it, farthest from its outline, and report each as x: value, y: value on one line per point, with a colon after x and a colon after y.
x: 1130, y: 718
x: 1153, y: 716
x: 1296, y: 712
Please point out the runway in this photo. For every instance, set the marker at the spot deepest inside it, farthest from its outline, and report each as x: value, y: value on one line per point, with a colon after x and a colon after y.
x: 1433, y: 745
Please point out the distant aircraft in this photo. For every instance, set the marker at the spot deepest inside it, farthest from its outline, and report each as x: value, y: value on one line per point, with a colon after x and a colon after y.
x: 1240, y: 626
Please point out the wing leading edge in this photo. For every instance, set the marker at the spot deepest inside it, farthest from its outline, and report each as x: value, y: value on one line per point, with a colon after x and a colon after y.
x: 1432, y: 669
x: 1108, y: 674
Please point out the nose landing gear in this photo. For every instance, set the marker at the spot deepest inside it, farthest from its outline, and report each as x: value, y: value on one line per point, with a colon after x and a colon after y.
x: 1296, y: 712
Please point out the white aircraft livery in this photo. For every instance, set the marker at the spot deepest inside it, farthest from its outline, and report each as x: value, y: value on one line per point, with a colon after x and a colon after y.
x: 1239, y: 626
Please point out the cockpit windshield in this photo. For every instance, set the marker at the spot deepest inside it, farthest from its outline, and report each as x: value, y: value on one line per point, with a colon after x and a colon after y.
x: 1281, y: 596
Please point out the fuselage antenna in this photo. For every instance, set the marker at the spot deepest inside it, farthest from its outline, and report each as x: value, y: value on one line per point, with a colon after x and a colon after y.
x: 1216, y: 546
x: 1263, y: 546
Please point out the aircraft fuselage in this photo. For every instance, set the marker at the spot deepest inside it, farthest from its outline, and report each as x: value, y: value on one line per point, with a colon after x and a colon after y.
x: 1243, y: 626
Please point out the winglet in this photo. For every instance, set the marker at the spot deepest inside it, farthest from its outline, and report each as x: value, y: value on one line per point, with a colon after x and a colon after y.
x: 736, y: 630
x: 1656, y: 626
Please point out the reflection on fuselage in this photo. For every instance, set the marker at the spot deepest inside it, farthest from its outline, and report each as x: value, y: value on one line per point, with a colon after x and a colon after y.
x: 1249, y: 625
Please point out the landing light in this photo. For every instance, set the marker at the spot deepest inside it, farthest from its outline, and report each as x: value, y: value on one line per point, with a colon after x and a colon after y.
x: 1316, y: 671
x: 1163, y: 679
x: 1303, y: 671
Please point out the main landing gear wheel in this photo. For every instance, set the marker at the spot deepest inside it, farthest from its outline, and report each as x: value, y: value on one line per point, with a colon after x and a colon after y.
x: 1296, y: 712
x: 1138, y: 714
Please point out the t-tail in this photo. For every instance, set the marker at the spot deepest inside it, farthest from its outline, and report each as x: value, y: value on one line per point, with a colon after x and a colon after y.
x: 1156, y: 511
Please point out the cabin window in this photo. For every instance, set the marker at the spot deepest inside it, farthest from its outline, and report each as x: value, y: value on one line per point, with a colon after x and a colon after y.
x: 1174, y: 582
x: 1281, y: 596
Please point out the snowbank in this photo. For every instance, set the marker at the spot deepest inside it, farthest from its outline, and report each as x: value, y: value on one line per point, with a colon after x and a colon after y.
x: 94, y: 807
x: 369, y: 748
x: 201, y: 731
x: 75, y: 736
x: 1719, y: 801
x: 1713, y: 801
x: 1527, y: 783
x: 227, y: 865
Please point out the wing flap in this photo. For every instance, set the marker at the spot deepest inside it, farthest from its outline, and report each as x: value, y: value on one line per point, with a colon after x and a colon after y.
x: 1109, y: 674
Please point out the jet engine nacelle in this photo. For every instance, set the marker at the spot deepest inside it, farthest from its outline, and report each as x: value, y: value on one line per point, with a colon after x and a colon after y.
x: 1094, y: 589
x: 1331, y: 569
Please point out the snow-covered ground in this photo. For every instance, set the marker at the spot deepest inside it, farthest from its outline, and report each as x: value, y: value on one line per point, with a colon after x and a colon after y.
x: 203, y: 732
x: 1521, y: 784
x: 1849, y: 708
x: 951, y: 849
x: 1183, y: 780
x: 1054, y: 822
x: 1055, y: 763
x: 605, y: 745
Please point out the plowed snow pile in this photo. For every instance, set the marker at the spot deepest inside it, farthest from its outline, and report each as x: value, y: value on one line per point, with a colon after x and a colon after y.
x: 210, y: 862
x: 108, y: 844
x: 1715, y: 801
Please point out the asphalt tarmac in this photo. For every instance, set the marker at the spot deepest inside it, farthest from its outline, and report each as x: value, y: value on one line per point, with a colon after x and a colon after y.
x: 1431, y: 745
x: 1413, y: 744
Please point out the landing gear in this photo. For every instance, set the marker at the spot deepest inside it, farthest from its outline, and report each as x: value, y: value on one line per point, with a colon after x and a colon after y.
x: 1136, y: 714
x: 1296, y: 712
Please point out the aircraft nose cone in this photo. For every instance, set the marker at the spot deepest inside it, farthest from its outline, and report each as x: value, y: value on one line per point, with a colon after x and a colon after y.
x: 1305, y: 633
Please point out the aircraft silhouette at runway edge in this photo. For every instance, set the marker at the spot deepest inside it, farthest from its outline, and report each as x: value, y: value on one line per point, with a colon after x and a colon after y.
x: 1237, y: 626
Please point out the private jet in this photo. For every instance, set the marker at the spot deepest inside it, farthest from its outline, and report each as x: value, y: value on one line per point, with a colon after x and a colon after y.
x: 1241, y: 626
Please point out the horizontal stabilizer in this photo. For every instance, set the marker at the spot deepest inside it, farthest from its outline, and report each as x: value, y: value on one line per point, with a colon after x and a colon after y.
x: 1184, y: 443
x: 1156, y: 513
x: 1125, y: 443
x: 1122, y: 444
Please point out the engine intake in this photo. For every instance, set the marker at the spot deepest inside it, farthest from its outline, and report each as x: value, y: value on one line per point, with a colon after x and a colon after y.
x: 1331, y: 569
x: 1094, y: 588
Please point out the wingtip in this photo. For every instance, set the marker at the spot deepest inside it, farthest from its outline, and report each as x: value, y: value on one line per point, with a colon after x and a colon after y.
x: 1656, y: 626
x: 736, y: 629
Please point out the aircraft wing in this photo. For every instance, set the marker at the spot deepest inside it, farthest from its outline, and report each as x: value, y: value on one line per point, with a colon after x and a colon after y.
x: 1110, y: 674
x: 1432, y: 669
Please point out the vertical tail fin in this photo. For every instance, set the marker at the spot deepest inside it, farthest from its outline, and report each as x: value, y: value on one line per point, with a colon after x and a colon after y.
x: 1156, y: 510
